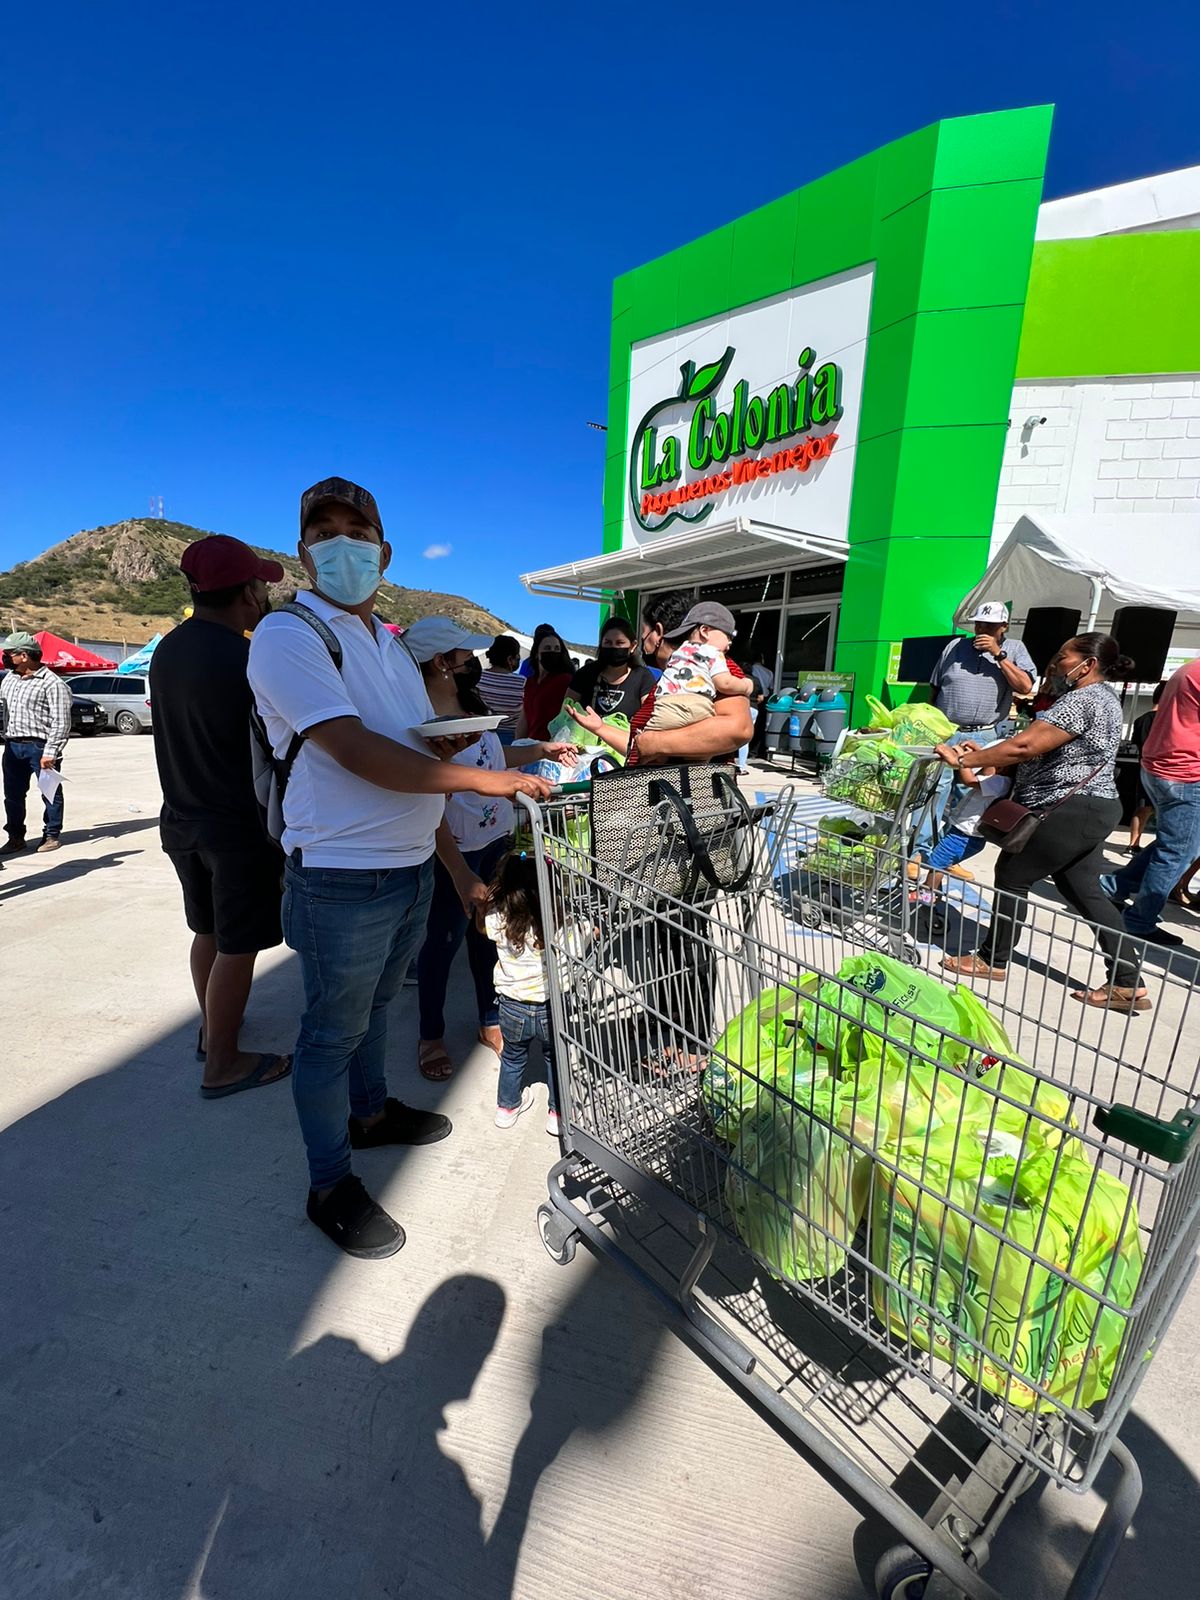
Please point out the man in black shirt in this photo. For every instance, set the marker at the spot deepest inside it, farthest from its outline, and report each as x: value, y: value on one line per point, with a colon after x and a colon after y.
x: 210, y: 824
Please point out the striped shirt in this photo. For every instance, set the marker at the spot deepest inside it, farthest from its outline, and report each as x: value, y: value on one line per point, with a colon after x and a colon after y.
x: 502, y: 693
x: 38, y: 708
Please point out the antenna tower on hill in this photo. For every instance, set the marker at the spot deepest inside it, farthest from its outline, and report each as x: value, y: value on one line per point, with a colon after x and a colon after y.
x: 156, y: 506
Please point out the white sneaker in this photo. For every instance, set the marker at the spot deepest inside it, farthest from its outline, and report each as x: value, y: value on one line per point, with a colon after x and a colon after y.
x: 554, y: 1124
x: 506, y: 1115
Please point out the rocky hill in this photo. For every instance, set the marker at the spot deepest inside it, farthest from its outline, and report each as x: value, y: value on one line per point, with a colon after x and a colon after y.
x: 123, y: 582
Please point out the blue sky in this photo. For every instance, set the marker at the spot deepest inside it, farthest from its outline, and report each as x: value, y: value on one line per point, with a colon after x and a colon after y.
x: 249, y: 246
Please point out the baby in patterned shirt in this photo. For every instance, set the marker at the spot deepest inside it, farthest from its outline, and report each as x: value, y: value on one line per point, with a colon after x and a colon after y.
x: 698, y: 671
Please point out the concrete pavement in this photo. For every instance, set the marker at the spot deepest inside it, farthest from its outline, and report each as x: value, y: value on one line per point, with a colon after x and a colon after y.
x: 203, y: 1401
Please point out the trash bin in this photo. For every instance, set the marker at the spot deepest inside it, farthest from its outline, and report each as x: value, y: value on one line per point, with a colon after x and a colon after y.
x: 778, y: 711
x: 828, y: 721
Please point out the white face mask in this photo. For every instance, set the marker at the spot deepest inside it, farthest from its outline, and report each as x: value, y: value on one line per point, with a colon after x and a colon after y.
x: 347, y: 570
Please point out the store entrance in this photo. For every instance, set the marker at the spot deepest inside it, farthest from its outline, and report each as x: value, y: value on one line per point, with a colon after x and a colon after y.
x: 809, y: 636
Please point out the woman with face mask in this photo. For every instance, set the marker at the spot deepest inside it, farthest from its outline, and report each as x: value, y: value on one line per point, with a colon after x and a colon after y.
x: 615, y: 682
x: 482, y: 828
x: 1065, y: 771
x: 545, y: 689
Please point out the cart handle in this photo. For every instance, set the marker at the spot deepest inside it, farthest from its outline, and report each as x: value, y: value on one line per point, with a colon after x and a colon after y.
x: 1153, y: 1136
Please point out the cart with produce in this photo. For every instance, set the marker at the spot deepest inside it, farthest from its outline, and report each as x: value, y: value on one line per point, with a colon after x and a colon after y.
x: 937, y: 1252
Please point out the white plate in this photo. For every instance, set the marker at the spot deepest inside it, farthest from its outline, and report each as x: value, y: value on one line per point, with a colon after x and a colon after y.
x: 449, y: 727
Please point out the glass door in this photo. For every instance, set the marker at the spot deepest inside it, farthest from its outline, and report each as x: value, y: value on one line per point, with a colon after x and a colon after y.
x: 809, y: 635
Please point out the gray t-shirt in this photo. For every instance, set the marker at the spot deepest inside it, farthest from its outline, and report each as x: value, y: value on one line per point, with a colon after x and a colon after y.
x: 971, y: 688
x: 1093, y: 716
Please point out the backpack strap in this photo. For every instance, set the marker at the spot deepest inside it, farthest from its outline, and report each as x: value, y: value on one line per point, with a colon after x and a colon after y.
x: 283, y: 766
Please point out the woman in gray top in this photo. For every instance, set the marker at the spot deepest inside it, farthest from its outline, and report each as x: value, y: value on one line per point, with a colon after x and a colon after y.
x: 1064, y: 769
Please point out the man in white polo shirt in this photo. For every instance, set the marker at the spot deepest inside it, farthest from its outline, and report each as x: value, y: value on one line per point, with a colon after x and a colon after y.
x: 362, y: 807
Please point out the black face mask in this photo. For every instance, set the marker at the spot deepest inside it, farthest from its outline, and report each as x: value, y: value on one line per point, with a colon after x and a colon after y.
x: 6, y: 661
x: 614, y: 655
x: 469, y: 674
x: 551, y: 662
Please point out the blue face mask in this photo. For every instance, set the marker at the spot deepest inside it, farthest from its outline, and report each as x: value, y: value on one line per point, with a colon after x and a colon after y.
x: 347, y: 569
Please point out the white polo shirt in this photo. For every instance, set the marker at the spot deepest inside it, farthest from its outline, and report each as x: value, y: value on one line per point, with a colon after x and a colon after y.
x: 334, y: 818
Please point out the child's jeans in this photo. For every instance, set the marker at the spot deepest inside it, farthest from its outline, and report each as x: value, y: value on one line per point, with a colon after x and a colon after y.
x: 952, y: 848
x: 521, y: 1022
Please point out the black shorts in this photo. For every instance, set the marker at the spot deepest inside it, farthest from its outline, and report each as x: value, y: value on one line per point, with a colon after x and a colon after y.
x: 234, y: 894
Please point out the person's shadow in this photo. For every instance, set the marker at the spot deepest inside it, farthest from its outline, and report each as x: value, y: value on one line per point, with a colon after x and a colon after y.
x: 410, y: 1521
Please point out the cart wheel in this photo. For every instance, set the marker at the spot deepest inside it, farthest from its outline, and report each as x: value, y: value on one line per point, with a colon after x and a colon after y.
x: 557, y: 1234
x: 905, y: 950
x: 902, y: 1574
x: 811, y: 916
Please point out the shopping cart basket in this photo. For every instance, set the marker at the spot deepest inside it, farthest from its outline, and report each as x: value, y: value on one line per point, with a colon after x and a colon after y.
x: 939, y: 1268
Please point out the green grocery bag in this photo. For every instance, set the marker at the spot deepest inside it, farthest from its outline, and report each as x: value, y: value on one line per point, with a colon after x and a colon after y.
x: 796, y: 1185
x: 759, y: 1047
x: 985, y: 1243
x: 566, y: 729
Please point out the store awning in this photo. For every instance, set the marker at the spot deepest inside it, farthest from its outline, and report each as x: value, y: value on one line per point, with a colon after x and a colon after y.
x: 710, y: 554
x: 1098, y: 564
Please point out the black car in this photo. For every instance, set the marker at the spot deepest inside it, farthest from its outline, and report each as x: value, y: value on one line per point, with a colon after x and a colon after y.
x: 87, y: 717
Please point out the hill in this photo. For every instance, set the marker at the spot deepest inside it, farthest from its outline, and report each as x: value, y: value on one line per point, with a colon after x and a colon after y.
x: 123, y: 582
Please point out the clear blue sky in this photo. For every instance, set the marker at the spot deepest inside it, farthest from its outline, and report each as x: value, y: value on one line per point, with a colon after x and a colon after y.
x: 247, y: 246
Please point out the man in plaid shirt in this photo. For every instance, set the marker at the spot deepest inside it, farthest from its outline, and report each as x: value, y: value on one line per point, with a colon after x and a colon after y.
x: 37, y: 725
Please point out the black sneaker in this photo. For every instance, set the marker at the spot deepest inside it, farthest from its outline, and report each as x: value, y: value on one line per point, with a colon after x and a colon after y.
x: 355, y: 1222
x: 13, y: 847
x: 1169, y: 941
x: 401, y: 1124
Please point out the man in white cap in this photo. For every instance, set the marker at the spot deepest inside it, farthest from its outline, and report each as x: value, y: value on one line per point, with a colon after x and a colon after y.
x: 973, y: 684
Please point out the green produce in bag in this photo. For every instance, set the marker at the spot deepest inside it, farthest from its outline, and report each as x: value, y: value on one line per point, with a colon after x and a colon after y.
x: 920, y: 723
x: 756, y: 1049
x: 952, y: 1271
x: 796, y: 1185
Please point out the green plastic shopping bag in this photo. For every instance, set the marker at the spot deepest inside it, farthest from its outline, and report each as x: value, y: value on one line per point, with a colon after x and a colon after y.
x: 797, y: 1185
x: 982, y: 1246
x: 761, y: 1046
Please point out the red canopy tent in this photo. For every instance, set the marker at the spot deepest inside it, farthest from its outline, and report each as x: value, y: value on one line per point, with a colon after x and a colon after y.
x: 62, y: 656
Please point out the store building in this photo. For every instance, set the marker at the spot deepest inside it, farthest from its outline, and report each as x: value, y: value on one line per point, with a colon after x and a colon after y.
x: 832, y: 413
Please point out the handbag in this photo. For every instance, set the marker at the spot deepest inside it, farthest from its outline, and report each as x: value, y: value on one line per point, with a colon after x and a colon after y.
x: 678, y: 830
x: 1010, y: 825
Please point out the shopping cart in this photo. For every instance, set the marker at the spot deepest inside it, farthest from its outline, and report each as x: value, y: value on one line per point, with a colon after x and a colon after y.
x: 771, y: 1204
x: 857, y: 882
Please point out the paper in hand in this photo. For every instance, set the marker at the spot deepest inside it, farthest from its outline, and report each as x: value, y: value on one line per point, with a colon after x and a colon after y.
x: 49, y: 782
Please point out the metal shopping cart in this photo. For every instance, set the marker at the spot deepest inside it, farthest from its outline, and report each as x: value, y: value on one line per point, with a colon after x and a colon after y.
x: 856, y: 881
x: 824, y: 1191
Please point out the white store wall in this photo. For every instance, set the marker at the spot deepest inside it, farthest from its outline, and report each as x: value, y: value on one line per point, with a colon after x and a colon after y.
x: 1107, y: 445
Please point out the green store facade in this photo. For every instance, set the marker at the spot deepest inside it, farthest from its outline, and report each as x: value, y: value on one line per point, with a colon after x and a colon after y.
x: 812, y: 407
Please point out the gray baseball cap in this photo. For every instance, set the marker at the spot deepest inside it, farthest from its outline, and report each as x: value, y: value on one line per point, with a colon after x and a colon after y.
x: 21, y: 641
x: 706, y: 614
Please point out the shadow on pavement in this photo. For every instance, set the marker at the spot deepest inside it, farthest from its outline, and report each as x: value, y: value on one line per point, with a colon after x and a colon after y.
x: 174, y: 1442
x: 14, y: 887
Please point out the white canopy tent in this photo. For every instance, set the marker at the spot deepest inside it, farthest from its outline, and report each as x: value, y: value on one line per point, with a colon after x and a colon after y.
x: 1099, y: 564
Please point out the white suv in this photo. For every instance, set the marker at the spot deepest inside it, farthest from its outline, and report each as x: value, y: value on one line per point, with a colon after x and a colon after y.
x: 124, y: 696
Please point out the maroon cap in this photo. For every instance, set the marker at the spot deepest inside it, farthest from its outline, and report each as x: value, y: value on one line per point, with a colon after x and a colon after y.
x: 347, y: 493
x: 220, y: 562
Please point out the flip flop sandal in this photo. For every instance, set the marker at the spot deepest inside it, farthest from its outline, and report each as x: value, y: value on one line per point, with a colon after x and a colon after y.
x: 434, y: 1063
x: 254, y: 1080
x: 1113, y: 1000
x: 972, y: 967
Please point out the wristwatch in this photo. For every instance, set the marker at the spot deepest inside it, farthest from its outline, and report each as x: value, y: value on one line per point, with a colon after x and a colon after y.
x: 1002, y: 655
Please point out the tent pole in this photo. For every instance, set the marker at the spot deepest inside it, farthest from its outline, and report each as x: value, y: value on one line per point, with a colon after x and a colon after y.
x: 1097, y: 591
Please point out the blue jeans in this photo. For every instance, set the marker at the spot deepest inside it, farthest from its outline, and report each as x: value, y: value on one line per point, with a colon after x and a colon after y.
x: 1151, y: 874
x: 23, y: 761
x: 355, y: 932
x: 521, y: 1022
x: 936, y: 810
x: 443, y: 935
x: 952, y: 848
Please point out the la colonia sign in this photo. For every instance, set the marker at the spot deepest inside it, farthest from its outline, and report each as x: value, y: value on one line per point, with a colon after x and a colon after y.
x: 714, y: 438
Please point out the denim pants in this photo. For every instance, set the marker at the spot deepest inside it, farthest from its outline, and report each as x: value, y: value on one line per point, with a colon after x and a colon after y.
x: 1150, y: 876
x: 947, y: 788
x: 23, y: 761
x: 521, y: 1022
x: 355, y: 932
x: 444, y: 933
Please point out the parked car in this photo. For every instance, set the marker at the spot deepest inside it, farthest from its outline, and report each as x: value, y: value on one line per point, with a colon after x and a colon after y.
x: 125, y: 697
x: 87, y: 717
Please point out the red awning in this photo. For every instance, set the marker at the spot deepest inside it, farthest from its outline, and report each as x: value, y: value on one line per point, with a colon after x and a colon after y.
x: 60, y: 655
